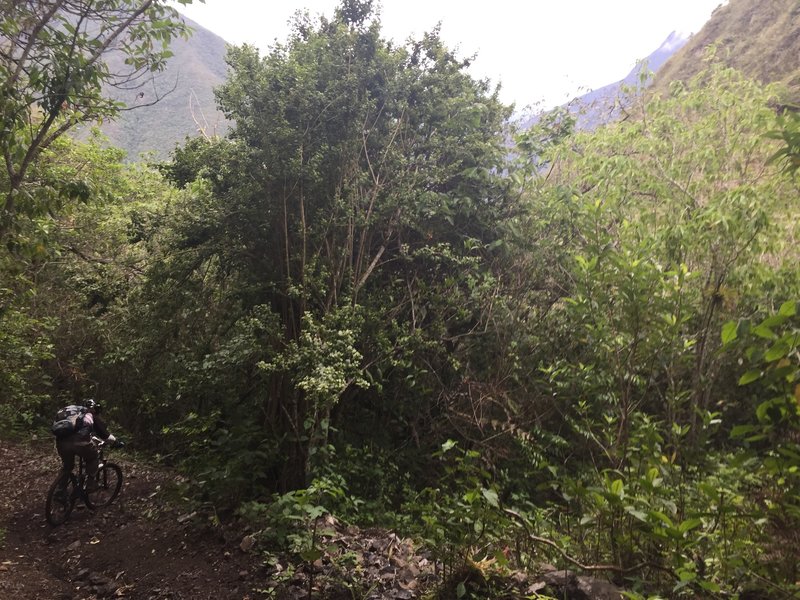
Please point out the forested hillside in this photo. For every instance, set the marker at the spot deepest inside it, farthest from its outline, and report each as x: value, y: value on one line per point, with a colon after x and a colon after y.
x: 359, y: 308
x: 166, y: 107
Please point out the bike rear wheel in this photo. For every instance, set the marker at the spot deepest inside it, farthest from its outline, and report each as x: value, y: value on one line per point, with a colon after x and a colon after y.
x: 105, y: 487
x: 60, y: 500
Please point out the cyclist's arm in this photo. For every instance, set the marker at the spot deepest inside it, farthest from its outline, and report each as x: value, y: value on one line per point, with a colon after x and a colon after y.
x: 100, y: 429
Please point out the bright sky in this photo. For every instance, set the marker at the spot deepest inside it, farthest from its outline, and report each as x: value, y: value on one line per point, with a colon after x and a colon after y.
x: 543, y: 52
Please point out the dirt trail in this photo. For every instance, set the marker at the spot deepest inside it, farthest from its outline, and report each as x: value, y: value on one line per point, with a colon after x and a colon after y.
x: 137, y: 548
x: 142, y: 547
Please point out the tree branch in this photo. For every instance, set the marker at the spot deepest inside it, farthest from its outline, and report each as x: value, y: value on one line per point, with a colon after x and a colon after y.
x: 567, y: 557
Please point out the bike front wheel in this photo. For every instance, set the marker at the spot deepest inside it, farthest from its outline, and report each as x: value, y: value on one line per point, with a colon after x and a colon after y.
x: 105, y: 487
x: 60, y: 500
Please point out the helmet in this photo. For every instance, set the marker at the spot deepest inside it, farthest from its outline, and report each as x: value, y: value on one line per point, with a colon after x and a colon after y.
x: 92, y: 405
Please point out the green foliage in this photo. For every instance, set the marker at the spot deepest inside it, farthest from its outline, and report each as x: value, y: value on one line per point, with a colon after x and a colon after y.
x: 375, y: 483
x: 348, y: 195
x: 293, y: 522
x: 669, y: 243
x: 355, y: 305
x: 663, y: 227
x: 769, y: 347
x: 788, y: 132
x: 461, y: 518
x: 694, y: 521
x: 25, y: 343
x: 63, y: 273
x: 30, y: 308
x: 53, y: 72
x: 369, y: 303
x: 225, y: 456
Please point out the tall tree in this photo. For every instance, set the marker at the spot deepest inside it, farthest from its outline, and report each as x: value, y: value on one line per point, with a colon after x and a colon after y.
x: 352, y: 214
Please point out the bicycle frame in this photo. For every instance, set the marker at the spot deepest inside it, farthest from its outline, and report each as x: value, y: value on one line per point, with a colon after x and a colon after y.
x: 107, y: 485
x: 82, y: 463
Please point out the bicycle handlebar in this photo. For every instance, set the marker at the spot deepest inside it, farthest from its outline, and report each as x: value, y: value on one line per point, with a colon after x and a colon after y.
x: 101, y: 442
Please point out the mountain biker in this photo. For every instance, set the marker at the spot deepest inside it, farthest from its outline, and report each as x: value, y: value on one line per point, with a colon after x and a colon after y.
x: 80, y: 443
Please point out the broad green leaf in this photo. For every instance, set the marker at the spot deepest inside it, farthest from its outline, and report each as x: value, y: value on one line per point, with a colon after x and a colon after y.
x: 763, y: 410
x: 653, y: 475
x: 777, y: 351
x: 789, y: 453
x: 773, y: 321
x: 749, y: 377
x: 661, y: 517
x: 788, y: 309
x: 689, y: 524
x: 491, y: 497
x: 765, y: 332
x: 742, y: 430
x: 637, y: 514
x: 729, y: 332
x: 710, y: 586
x: 311, y: 554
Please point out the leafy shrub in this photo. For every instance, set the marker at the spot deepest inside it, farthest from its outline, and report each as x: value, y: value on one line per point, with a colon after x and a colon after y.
x: 289, y: 522
x: 461, y: 518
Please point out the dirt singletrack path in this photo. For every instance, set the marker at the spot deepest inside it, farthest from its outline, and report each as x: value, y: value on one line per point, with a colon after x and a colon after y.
x: 140, y: 547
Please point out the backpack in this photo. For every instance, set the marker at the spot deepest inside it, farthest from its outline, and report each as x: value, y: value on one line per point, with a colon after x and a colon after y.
x: 68, y: 420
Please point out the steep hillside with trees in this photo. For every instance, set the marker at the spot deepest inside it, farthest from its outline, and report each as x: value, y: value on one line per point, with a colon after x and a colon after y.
x: 360, y: 307
x: 164, y: 108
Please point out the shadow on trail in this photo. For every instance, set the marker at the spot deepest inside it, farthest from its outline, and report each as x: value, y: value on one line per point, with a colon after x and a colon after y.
x: 135, y: 548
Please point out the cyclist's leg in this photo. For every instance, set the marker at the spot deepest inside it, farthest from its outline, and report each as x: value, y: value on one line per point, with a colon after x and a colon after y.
x: 86, y: 449
x: 66, y: 450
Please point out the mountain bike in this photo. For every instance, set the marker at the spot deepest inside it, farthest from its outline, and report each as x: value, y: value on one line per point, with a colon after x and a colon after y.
x: 62, y: 495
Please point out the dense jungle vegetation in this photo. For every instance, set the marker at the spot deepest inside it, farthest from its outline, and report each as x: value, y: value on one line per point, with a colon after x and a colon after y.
x: 374, y: 298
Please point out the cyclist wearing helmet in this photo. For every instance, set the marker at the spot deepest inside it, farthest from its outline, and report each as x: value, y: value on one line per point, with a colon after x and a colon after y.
x: 81, y: 443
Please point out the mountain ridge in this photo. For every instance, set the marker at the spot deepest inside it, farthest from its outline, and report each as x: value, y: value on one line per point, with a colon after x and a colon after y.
x: 761, y: 39
x: 605, y: 104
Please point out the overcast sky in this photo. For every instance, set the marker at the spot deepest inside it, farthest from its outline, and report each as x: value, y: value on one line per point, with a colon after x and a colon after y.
x: 543, y: 52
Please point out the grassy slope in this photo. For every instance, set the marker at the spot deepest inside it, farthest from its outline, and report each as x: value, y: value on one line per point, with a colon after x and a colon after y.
x: 759, y: 37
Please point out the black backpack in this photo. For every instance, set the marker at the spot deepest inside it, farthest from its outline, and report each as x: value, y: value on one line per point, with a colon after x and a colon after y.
x: 68, y: 420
